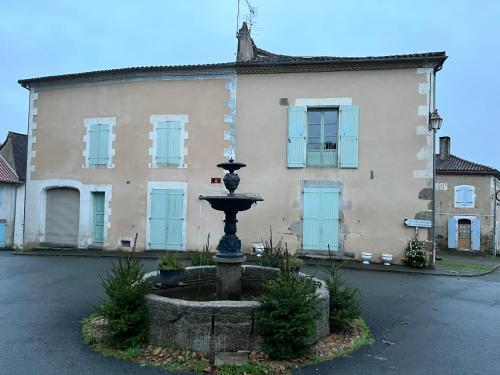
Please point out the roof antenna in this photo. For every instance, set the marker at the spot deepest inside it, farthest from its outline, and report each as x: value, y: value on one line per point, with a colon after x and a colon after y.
x: 248, y: 17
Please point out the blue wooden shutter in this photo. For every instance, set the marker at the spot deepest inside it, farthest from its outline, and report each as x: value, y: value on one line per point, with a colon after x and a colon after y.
x: 175, y: 218
x: 452, y: 233
x: 311, y: 236
x: 98, y: 218
x: 98, y: 148
x: 330, y: 218
x: 296, y: 146
x: 3, y: 227
x: 168, y: 141
x: 475, y: 234
x: 321, y: 219
x: 348, y: 136
x: 459, y: 196
x: 468, y: 196
x: 158, y: 219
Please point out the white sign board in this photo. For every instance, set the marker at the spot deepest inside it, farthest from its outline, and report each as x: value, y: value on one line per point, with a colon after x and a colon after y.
x: 418, y: 223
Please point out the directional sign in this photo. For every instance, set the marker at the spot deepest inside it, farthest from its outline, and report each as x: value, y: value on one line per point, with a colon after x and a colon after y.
x: 418, y: 223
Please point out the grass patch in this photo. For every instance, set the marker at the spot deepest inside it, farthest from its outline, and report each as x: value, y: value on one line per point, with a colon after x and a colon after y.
x: 249, y: 369
x: 464, y: 266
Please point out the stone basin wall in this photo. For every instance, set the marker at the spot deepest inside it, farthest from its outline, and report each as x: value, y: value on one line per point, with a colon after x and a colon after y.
x: 217, y: 326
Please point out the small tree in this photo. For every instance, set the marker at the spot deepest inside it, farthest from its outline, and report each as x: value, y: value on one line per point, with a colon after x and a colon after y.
x: 416, y: 255
x: 285, y: 319
x: 344, y: 304
x: 125, y: 311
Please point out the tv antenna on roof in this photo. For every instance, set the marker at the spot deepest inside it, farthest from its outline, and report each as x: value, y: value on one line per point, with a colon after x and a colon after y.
x: 249, y: 17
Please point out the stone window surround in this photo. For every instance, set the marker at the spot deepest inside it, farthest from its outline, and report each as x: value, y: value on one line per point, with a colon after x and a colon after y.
x: 464, y: 205
x: 154, y: 120
x: 88, y: 122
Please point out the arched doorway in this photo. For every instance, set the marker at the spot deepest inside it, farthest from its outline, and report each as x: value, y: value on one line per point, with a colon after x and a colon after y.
x: 62, y: 216
x: 464, y: 234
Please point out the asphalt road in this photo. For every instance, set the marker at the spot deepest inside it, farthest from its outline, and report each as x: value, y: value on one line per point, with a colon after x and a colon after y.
x: 437, y: 325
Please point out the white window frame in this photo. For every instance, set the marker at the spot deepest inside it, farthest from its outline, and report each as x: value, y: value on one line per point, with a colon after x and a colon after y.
x: 155, y: 120
x: 465, y: 205
x: 88, y: 122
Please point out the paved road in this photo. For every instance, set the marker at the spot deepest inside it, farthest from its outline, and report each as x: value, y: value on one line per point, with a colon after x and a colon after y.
x: 440, y: 325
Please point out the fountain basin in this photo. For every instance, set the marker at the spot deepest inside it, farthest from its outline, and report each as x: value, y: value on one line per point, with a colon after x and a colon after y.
x: 217, y: 326
x: 234, y: 202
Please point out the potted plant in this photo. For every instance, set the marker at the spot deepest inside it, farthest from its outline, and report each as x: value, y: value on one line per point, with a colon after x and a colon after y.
x: 170, y: 269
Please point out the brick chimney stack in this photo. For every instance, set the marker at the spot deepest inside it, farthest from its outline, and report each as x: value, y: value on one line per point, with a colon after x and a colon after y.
x: 444, y: 147
x: 246, y: 46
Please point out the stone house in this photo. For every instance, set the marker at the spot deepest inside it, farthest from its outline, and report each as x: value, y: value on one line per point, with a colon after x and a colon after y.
x: 466, y: 205
x: 12, y: 177
x: 118, y: 152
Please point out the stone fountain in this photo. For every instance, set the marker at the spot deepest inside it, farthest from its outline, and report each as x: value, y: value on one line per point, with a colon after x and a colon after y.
x: 229, y: 256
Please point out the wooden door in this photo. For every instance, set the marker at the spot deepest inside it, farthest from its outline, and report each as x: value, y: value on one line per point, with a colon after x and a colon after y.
x: 464, y: 234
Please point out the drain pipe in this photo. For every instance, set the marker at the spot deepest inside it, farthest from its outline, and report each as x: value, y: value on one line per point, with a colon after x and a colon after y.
x: 495, y: 232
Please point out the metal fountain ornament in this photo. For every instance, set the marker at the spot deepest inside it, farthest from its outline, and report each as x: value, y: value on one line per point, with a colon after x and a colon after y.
x: 229, y: 256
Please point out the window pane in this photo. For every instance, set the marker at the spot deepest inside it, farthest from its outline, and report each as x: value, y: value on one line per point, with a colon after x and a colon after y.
x: 314, y: 117
x: 331, y: 117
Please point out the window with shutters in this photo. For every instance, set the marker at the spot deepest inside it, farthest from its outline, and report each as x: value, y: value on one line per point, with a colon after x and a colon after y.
x: 99, y: 140
x: 168, y: 138
x: 323, y: 137
x: 465, y: 196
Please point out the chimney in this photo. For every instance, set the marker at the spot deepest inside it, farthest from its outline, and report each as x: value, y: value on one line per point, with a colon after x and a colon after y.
x: 444, y: 147
x: 246, y: 47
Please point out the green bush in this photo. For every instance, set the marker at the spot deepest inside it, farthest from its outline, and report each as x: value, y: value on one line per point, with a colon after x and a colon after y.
x: 169, y: 261
x: 125, y: 311
x: 416, y: 255
x: 285, y: 318
x: 204, y: 257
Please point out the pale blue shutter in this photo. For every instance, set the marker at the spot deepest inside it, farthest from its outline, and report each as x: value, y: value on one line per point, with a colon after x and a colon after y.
x: 168, y: 143
x: 459, y: 196
x: 476, y: 234
x: 330, y: 218
x: 98, y: 147
x: 158, y: 219
x: 468, y: 196
x: 296, y: 146
x: 321, y: 219
x: 175, y: 218
x: 452, y: 233
x: 348, y: 136
x: 3, y: 227
x: 98, y: 218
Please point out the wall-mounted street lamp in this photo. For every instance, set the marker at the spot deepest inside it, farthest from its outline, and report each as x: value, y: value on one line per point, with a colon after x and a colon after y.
x: 435, y: 122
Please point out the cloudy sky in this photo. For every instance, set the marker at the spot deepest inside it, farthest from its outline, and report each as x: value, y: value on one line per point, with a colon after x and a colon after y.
x: 39, y: 38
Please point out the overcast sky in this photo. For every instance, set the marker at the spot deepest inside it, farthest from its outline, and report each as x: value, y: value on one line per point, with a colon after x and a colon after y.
x: 39, y: 38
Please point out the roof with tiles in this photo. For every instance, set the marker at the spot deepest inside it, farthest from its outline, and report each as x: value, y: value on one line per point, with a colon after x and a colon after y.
x: 18, y: 149
x: 7, y: 173
x: 455, y: 165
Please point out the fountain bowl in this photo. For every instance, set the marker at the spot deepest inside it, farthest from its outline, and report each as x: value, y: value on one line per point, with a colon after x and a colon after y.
x: 233, y: 202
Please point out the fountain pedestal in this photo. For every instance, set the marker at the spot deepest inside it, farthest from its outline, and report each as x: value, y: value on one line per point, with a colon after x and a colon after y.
x: 229, y: 278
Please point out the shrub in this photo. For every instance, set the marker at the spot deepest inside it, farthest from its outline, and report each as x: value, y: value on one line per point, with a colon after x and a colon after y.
x: 169, y: 261
x: 125, y: 311
x: 204, y: 257
x: 272, y: 255
x: 416, y: 255
x: 285, y: 318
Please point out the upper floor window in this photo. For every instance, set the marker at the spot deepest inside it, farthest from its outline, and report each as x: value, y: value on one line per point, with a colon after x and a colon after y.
x: 168, y: 140
x: 99, y: 142
x: 465, y: 196
x: 323, y: 137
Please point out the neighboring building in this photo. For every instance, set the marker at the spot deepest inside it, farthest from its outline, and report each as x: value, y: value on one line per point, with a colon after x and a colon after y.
x: 339, y: 148
x: 12, y: 177
x: 466, y: 206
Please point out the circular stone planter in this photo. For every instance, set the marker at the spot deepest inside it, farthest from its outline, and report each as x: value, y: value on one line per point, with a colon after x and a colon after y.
x: 217, y: 326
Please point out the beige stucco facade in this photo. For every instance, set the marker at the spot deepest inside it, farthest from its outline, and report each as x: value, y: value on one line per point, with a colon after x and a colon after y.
x: 242, y: 114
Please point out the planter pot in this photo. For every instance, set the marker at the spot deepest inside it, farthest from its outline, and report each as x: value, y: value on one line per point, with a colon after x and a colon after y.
x: 170, y: 277
x: 387, y: 259
x: 366, y: 257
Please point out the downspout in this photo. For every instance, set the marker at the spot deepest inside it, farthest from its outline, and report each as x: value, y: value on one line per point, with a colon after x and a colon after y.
x: 433, y: 233
x: 495, y: 234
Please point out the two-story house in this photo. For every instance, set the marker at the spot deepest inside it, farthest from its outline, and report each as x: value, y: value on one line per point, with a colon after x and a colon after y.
x: 339, y: 148
x: 466, y: 202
